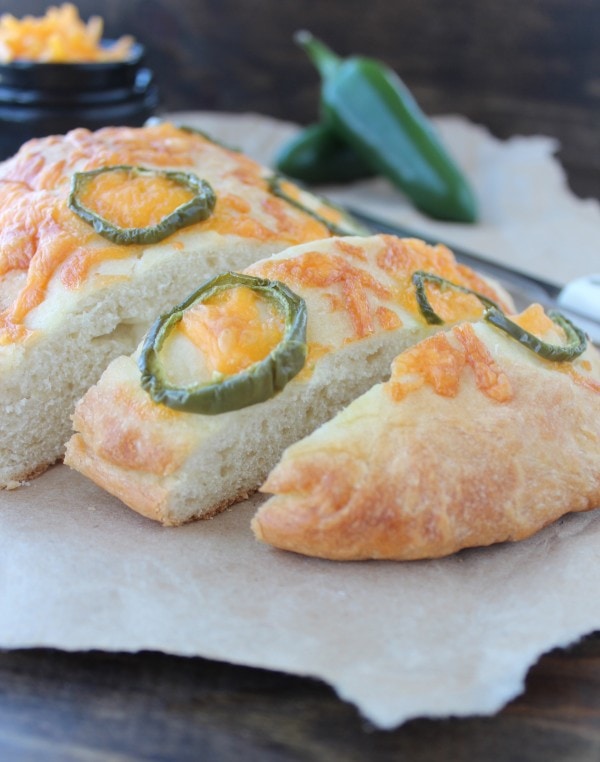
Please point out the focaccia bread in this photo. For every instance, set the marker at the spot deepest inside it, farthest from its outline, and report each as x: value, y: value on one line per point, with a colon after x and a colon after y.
x: 72, y: 298
x: 173, y: 465
x: 475, y: 439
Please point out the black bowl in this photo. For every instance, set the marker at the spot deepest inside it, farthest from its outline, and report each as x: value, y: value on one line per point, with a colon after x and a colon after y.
x: 74, y: 77
x: 38, y: 99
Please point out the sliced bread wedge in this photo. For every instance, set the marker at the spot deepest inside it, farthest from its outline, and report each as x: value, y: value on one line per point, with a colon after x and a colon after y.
x: 475, y: 439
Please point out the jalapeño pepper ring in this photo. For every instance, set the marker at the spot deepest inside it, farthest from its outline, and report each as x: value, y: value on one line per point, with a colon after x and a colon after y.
x: 261, y: 381
x: 576, y: 339
x: 275, y: 187
x: 198, y: 208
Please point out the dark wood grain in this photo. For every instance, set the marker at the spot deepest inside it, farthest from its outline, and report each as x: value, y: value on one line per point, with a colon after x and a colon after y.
x: 151, y: 706
x: 516, y: 67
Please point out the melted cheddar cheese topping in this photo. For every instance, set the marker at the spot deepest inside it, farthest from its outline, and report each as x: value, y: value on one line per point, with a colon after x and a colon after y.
x: 439, y: 363
x: 535, y: 320
x: 400, y: 258
x: 43, y: 239
x: 366, y: 284
x: 315, y: 269
x: 234, y: 329
x: 233, y: 334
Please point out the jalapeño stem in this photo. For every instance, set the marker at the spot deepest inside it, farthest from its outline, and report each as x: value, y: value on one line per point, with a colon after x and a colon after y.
x: 258, y: 383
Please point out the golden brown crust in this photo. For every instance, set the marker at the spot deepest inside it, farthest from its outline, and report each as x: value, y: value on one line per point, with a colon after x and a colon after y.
x: 146, y: 498
x: 122, y: 425
x: 149, y: 496
x: 128, y: 445
x: 428, y: 472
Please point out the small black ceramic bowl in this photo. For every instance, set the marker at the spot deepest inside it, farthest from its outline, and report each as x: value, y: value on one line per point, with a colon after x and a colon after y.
x: 38, y: 99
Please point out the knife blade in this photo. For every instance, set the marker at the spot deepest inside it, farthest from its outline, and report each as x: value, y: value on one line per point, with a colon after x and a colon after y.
x: 578, y: 300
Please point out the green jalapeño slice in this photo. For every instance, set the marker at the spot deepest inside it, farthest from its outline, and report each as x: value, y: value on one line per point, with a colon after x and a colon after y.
x: 135, y: 205
x: 276, y: 185
x: 207, y: 136
x: 256, y: 383
x: 420, y: 278
x: 574, y: 346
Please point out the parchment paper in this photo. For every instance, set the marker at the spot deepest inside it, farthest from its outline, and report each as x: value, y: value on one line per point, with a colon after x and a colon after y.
x: 437, y: 638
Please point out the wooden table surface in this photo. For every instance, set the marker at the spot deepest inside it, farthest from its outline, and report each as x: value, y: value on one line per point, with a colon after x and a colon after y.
x: 517, y: 67
x: 149, y: 706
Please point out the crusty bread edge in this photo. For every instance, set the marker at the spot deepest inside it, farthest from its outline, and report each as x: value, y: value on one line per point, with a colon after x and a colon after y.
x: 149, y: 498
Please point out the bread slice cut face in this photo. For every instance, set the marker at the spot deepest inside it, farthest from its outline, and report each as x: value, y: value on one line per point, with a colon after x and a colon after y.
x: 101, y: 231
x: 361, y: 311
x: 475, y: 439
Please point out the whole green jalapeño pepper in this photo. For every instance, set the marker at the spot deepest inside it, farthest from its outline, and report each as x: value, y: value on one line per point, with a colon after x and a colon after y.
x: 369, y: 107
x: 318, y: 156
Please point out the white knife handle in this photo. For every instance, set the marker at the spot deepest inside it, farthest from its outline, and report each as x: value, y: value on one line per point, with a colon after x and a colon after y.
x: 582, y: 296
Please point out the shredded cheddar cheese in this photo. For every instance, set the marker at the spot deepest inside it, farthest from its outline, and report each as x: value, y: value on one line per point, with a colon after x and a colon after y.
x: 489, y: 377
x: 535, y: 320
x: 60, y: 36
x: 435, y: 362
x: 387, y: 318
